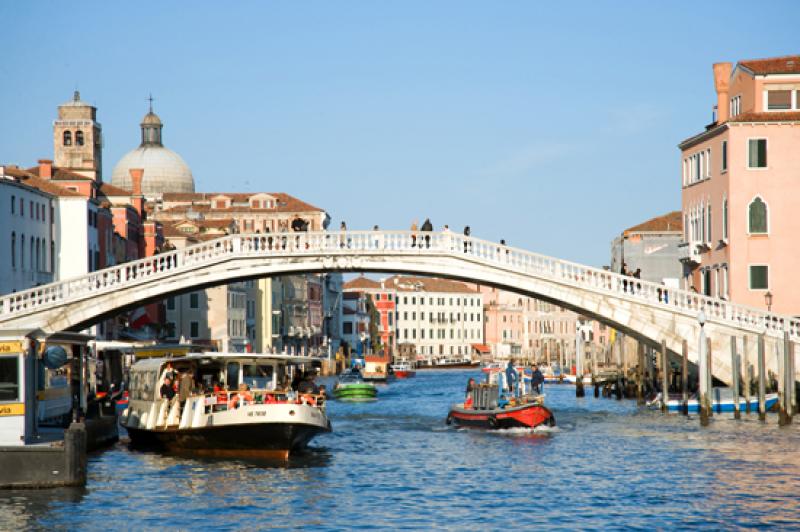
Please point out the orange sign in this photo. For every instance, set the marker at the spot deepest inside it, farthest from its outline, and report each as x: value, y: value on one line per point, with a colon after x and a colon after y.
x: 12, y: 409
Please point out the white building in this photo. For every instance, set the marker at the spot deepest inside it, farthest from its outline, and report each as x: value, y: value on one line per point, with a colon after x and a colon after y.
x: 27, y: 228
x: 442, y: 318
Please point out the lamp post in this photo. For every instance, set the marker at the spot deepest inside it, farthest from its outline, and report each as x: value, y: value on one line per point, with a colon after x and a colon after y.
x: 768, y: 300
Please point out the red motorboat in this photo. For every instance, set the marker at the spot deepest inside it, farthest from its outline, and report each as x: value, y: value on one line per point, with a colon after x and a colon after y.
x: 525, y: 415
x: 485, y: 407
x: 403, y: 371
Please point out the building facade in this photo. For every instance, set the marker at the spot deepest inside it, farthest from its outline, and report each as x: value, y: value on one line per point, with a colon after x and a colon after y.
x: 652, y: 249
x: 740, y: 190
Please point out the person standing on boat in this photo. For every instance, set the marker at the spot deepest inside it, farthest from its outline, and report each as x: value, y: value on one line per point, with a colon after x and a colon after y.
x: 512, y: 378
x: 537, y: 380
x: 185, y: 386
x: 167, y: 389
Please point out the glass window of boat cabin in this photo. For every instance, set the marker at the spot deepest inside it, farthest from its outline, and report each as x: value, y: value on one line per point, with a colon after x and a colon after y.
x: 9, y: 378
x: 258, y: 376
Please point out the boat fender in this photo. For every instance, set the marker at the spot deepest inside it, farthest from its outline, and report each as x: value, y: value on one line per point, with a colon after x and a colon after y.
x: 449, y: 419
x: 493, y: 421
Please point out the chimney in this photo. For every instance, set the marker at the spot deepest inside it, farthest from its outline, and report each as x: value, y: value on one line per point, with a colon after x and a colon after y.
x: 136, y: 180
x: 45, y: 168
x: 722, y: 76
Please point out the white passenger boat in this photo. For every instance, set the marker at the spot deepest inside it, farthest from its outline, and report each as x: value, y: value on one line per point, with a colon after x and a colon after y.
x: 240, y: 406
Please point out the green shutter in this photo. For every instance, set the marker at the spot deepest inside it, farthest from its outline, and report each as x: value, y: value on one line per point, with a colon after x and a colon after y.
x: 759, y: 277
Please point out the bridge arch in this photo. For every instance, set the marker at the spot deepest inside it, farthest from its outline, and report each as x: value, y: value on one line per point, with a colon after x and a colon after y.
x: 647, y: 311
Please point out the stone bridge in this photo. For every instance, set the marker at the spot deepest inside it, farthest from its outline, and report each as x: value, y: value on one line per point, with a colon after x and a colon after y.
x: 646, y: 311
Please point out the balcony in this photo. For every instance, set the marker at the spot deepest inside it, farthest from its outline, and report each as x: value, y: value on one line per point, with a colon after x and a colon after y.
x: 689, y: 253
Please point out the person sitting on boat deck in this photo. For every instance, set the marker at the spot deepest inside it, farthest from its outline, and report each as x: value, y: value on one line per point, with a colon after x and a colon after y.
x: 308, y: 386
x: 537, y: 380
x: 468, y: 398
x: 243, y: 396
x: 167, y: 389
x: 512, y: 378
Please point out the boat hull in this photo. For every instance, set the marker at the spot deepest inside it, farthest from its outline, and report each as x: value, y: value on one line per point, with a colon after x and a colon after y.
x: 523, y: 416
x: 404, y: 374
x: 355, y: 392
x: 676, y: 405
x: 262, y: 440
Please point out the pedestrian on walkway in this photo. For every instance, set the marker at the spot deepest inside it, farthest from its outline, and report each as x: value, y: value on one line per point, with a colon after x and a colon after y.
x: 343, y: 239
x: 427, y: 227
x: 467, y: 244
x: 413, y: 233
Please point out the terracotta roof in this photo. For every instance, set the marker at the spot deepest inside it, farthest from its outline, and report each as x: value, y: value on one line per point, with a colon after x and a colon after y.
x: 427, y: 284
x: 788, y: 64
x: 108, y: 189
x: 672, y: 221
x: 60, y: 174
x: 29, y: 178
x: 286, y: 203
x: 772, y: 116
x: 361, y: 283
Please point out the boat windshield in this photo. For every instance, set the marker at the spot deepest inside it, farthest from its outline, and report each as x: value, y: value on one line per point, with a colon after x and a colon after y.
x: 350, y: 377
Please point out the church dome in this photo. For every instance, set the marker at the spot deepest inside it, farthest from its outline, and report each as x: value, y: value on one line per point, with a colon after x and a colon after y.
x: 164, y: 170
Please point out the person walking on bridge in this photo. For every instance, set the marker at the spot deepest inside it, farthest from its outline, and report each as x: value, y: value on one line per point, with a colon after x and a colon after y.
x: 413, y: 233
x: 427, y: 227
x: 467, y: 244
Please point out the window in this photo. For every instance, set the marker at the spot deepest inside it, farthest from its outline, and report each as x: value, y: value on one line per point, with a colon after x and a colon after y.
x: 13, y: 249
x: 22, y: 252
x: 79, y: 138
x: 757, y: 153
x: 170, y: 303
x: 757, y: 217
x: 67, y: 138
x: 725, y: 218
x: 779, y: 100
x: 13, y: 204
x: 347, y: 327
x: 708, y: 223
x: 736, y: 105
x: 759, y: 277
x: 194, y: 329
x: 9, y: 378
x: 724, y: 155
x: 194, y: 301
x: 30, y: 209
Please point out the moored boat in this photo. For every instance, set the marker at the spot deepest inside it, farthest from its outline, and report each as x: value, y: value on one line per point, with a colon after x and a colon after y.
x: 238, y: 406
x: 721, y: 401
x: 350, y: 387
x: 403, y: 370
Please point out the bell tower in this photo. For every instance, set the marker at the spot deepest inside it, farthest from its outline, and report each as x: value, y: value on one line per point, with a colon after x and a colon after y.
x: 78, y: 139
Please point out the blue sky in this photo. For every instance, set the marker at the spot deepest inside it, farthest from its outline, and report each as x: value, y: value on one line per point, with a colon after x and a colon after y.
x: 552, y: 125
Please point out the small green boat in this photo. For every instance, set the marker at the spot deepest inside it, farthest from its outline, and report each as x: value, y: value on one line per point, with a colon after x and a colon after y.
x: 351, y: 388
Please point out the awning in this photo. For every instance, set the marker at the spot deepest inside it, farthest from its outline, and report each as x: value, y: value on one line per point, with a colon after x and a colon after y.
x: 482, y: 348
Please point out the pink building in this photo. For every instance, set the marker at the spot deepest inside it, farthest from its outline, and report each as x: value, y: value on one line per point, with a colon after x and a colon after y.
x: 741, y: 188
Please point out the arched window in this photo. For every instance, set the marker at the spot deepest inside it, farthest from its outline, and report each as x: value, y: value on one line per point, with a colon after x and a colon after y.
x: 33, y: 257
x: 67, y: 138
x: 38, y: 255
x: 13, y: 249
x: 757, y: 216
x: 22, y: 252
x: 79, y: 138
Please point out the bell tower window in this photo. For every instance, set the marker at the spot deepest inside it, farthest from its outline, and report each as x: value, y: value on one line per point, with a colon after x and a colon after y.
x: 79, y: 138
x: 68, y: 138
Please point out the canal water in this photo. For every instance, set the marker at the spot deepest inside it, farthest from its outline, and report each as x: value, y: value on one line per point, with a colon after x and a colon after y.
x: 395, y: 464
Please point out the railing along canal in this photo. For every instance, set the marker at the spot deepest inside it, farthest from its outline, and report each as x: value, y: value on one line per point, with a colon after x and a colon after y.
x: 389, y: 243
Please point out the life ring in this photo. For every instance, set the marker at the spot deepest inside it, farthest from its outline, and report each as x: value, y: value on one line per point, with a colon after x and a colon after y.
x: 493, y: 421
x: 449, y: 419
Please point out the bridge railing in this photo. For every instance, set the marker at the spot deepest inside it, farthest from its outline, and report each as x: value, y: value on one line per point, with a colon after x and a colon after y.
x: 388, y: 243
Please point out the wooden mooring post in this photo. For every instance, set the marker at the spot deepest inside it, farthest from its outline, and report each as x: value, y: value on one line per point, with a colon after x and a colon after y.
x: 640, y: 375
x: 685, y: 378
x: 594, y: 370
x: 762, y: 381
x: 787, y: 383
x: 664, y: 376
x: 704, y: 378
x: 737, y: 414
x: 747, y: 374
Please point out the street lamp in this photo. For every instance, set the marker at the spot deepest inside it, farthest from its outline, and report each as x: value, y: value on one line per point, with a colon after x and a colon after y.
x: 768, y: 300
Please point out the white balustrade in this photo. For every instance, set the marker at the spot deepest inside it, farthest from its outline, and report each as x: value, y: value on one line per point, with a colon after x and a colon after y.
x: 387, y: 243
